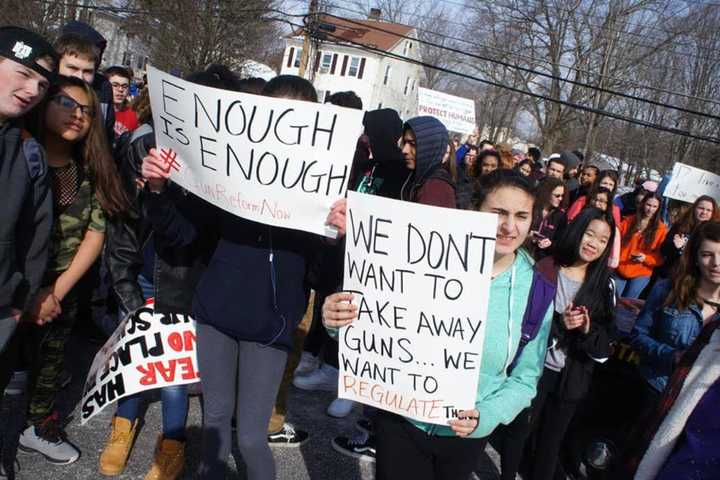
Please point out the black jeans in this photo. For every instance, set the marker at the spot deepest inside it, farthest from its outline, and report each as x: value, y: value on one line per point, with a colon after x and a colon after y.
x: 548, y: 418
x: 405, y: 451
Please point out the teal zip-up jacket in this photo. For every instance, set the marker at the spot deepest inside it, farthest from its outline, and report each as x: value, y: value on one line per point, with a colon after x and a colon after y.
x: 500, y: 398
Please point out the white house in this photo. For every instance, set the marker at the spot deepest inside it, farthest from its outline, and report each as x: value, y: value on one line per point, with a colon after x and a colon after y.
x: 380, y: 81
x: 122, y: 47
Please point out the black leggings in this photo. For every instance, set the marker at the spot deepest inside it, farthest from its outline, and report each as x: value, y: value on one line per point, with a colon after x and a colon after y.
x: 548, y: 418
x: 317, y: 341
x: 405, y: 451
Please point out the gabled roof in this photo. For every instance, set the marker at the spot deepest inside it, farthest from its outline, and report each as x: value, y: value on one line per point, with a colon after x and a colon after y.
x: 366, y: 32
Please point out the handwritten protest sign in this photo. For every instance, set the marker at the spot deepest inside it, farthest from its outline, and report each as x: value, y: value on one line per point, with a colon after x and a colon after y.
x: 456, y: 113
x: 271, y: 160
x: 422, y: 277
x: 688, y: 183
x: 148, y: 350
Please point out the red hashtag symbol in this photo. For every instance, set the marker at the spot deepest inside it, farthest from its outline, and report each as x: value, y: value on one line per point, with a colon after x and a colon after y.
x: 170, y: 159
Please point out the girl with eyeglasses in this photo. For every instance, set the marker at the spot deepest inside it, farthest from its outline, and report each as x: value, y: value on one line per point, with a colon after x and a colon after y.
x: 548, y: 215
x: 86, y: 189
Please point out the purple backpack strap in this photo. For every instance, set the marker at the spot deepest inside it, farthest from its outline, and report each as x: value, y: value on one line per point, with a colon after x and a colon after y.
x: 542, y: 294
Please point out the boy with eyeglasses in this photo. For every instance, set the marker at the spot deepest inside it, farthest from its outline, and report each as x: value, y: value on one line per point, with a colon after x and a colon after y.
x: 125, y: 117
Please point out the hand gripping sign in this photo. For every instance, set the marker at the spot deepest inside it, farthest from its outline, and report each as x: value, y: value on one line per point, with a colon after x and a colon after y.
x: 271, y: 160
x: 148, y: 350
x: 421, y: 278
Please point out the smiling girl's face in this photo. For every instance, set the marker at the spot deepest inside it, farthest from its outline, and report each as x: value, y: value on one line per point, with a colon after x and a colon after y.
x: 69, y: 114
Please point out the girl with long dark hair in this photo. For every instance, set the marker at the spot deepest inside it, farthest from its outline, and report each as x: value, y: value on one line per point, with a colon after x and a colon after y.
x: 583, y: 312
x: 86, y: 189
x: 642, y: 235
x: 548, y: 215
x: 677, y: 309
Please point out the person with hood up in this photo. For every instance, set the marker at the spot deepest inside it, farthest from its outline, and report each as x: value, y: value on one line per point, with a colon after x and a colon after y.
x: 424, y: 144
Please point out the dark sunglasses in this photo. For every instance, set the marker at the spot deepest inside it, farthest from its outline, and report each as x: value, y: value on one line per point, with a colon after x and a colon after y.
x: 69, y: 104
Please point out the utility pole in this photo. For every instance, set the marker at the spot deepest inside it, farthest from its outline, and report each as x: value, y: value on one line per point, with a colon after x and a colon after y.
x: 307, y: 42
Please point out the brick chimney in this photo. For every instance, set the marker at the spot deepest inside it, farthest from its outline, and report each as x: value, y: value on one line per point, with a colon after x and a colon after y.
x: 375, y: 14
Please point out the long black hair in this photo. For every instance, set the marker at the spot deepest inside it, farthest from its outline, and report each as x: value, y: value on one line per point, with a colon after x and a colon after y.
x: 595, y: 292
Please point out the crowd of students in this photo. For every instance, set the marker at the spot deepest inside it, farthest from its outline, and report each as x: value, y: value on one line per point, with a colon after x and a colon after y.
x: 85, y: 187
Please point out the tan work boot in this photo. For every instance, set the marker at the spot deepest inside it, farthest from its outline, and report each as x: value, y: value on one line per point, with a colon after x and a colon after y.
x: 169, y: 460
x: 116, y: 452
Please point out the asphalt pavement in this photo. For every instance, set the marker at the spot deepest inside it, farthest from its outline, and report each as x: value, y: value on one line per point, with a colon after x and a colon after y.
x: 315, y: 459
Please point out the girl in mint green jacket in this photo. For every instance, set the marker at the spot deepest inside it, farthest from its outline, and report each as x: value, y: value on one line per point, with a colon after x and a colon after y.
x: 410, y: 449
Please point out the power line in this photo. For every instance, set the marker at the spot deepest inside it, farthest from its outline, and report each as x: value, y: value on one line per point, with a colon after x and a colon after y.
x: 603, y: 27
x: 625, y: 42
x: 675, y: 131
x: 535, y: 72
x: 536, y: 59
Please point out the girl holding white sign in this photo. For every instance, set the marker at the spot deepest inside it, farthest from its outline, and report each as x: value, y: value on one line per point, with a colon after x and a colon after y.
x: 411, y: 449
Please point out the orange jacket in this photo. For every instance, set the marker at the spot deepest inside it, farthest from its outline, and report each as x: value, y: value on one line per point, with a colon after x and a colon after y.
x: 653, y: 258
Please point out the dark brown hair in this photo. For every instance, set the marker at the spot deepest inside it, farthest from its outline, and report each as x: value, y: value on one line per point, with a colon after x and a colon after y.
x: 93, y: 151
x: 544, y: 193
x: 75, y: 46
x: 142, y: 106
x: 686, y: 275
x: 649, y: 233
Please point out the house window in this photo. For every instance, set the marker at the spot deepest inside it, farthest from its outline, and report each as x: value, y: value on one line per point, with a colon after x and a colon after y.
x: 354, y: 67
x: 127, y: 58
x: 407, y: 84
x: 298, y: 58
x: 412, y: 89
x: 141, y: 62
x: 387, y: 75
x: 326, y: 62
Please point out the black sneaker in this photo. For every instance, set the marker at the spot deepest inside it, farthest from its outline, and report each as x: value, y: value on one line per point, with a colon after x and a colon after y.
x: 364, y: 425
x: 288, y: 436
x: 360, y: 446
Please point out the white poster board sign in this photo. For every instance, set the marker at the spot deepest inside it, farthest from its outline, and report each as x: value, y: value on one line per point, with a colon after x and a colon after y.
x: 456, y: 113
x: 271, y: 160
x: 148, y: 350
x: 688, y: 183
x: 421, y: 279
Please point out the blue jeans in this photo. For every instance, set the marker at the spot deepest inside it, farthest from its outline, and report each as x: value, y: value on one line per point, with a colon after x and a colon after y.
x: 630, y: 287
x: 174, y: 399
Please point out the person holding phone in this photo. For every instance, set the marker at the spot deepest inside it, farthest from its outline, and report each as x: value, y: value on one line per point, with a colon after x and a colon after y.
x: 548, y: 215
x: 642, y: 237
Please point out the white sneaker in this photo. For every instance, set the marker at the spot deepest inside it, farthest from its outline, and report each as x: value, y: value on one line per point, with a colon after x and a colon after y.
x: 308, y: 364
x: 340, y: 408
x: 49, y: 440
x: 324, y: 378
